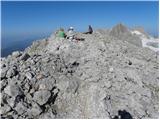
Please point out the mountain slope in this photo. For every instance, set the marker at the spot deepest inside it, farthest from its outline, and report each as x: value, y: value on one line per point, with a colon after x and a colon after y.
x: 101, y: 77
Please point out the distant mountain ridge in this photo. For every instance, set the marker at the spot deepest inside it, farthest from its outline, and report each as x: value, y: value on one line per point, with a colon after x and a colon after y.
x: 120, y: 31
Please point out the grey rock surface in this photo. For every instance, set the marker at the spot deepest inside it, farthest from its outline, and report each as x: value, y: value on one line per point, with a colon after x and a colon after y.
x: 41, y: 97
x: 108, y: 75
x: 29, y: 75
x: 20, y: 108
x: 34, y: 111
x: 4, y: 72
x: 25, y: 56
x: 13, y: 90
x: 16, y: 54
x: 11, y: 72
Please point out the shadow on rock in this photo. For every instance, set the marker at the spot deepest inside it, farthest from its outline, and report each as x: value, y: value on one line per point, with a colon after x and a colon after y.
x: 123, y: 115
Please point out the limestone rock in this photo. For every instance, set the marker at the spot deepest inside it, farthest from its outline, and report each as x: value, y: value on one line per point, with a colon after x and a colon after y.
x: 41, y: 97
x: 25, y: 56
x: 47, y: 84
x: 3, y: 72
x: 108, y: 75
x: 35, y: 110
x: 16, y: 54
x: 11, y: 72
x: 29, y: 75
x: 5, y: 109
x: 20, y: 108
x: 13, y: 90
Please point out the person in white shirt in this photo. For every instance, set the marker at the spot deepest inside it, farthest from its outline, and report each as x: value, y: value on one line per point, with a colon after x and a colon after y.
x: 71, y: 33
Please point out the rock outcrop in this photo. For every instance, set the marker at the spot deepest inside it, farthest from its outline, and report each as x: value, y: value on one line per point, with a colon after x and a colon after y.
x: 121, y: 32
x: 105, y: 76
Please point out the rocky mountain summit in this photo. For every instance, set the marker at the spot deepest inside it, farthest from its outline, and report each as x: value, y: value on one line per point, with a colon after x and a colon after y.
x: 108, y: 75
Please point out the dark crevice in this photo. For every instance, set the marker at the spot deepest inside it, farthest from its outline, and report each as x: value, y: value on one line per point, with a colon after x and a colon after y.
x: 129, y: 63
x: 123, y: 115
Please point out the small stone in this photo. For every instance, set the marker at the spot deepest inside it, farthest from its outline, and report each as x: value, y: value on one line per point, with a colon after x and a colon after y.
x: 3, y: 84
x: 40, y: 76
x: 3, y: 65
x: 108, y: 84
x: 11, y: 72
x: 48, y: 115
x: 5, y: 109
x: 25, y: 56
x: 13, y: 90
x: 27, y: 86
x: 1, y: 95
x: 41, y: 97
x: 32, y: 91
x: 47, y: 83
x: 111, y: 69
x: 42, y: 87
x: 36, y: 110
x: 32, y: 62
x: 33, y: 81
x: 11, y: 102
x: 55, y: 91
x: 29, y: 75
x: 3, y: 72
x: 20, y: 108
x: 21, y: 62
x: 46, y: 60
x: 53, y: 67
x: 16, y: 54
x: 28, y: 96
x: 22, y: 77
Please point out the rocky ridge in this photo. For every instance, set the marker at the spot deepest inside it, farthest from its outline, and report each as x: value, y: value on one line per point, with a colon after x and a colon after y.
x: 106, y: 76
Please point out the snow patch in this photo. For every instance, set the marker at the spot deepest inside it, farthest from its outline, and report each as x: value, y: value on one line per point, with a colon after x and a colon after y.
x: 151, y: 43
x: 136, y: 32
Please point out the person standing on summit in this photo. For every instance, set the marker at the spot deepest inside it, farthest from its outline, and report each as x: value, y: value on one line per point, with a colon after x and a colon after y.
x: 90, y: 30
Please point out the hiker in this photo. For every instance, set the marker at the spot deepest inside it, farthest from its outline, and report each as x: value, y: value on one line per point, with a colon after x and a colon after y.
x: 90, y: 30
x: 61, y: 33
x: 71, y: 33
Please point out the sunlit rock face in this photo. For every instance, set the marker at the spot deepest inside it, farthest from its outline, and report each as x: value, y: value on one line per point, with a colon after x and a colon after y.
x: 108, y: 75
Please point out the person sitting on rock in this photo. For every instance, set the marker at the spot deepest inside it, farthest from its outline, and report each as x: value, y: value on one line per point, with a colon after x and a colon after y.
x: 61, y: 33
x: 71, y: 33
x: 90, y: 30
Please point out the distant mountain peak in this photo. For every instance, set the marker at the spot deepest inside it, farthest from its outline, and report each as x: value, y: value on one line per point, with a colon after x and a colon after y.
x: 119, y: 29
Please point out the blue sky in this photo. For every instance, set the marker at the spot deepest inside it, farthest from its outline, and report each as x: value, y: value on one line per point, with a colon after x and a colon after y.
x: 20, y: 19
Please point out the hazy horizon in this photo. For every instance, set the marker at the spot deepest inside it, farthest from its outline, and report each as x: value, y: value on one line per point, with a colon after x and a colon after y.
x: 25, y: 20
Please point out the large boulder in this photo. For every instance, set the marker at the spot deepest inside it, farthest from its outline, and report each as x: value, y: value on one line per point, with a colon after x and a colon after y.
x: 11, y: 73
x: 13, y: 90
x: 16, y: 54
x: 4, y: 72
x: 34, y: 111
x: 41, y: 97
x: 25, y: 56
